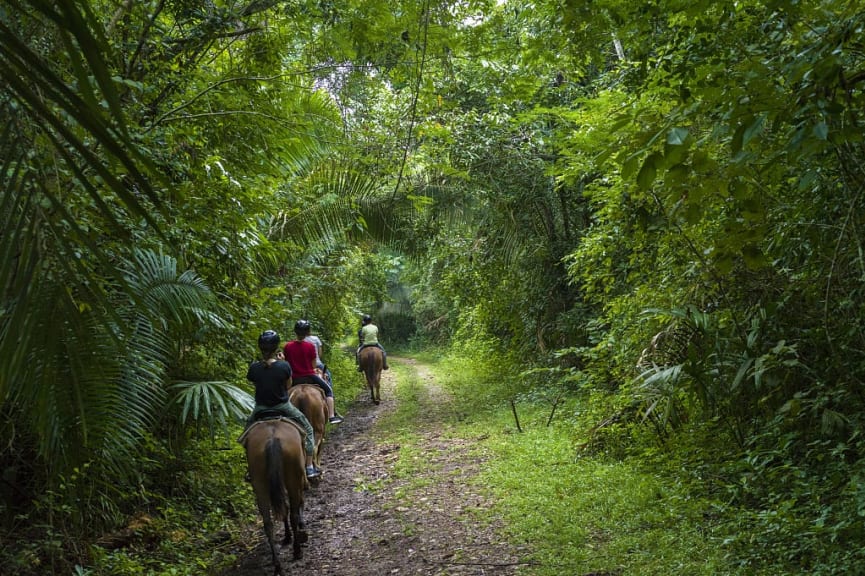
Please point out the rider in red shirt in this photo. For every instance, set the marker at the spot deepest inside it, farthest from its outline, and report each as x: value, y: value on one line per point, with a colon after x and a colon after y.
x: 301, y: 357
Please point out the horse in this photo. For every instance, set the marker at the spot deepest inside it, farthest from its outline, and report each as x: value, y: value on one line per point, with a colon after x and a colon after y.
x: 309, y: 399
x: 275, y: 456
x: 371, y: 360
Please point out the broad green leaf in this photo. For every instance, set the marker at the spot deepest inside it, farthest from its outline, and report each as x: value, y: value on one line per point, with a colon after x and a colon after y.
x: 677, y: 136
x: 646, y: 176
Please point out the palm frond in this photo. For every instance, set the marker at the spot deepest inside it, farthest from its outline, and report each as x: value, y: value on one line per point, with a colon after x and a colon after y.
x: 210, y: 402
x: 166, y: 295
x: 50, y: 103
x: 318, y: 118
x: 347, y: 204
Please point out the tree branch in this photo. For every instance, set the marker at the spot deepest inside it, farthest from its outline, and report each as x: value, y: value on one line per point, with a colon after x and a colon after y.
x: 282, y: 121
x: 143, y: 37
x: 413, y: 117
x: 209, y: 89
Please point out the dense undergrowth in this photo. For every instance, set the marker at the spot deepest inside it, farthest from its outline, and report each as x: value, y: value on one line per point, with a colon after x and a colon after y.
x: 187, y: 513
x: 182, y: 519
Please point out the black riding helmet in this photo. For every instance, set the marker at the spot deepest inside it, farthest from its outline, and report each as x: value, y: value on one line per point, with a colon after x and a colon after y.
x: 302, y: 327
x: 366, y: 319
x: 268, y: 341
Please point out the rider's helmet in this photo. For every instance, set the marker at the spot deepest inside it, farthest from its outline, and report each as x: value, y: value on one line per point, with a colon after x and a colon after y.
x: 366, y: 319
x: 268, y: 341
x: 302, y: 327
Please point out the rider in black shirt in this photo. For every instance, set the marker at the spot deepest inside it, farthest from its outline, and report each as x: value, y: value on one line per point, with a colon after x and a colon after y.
x: 272, y: 378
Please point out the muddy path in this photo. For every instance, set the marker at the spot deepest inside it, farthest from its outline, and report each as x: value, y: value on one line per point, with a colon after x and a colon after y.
x: 362, y: 520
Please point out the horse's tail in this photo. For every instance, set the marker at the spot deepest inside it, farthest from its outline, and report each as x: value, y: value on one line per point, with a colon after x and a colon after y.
x: 275, y: 484
x: 369, y: 370
x: 373, y: 365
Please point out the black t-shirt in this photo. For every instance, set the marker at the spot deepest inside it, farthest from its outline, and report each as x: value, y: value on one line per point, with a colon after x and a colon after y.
x: 270, y: 382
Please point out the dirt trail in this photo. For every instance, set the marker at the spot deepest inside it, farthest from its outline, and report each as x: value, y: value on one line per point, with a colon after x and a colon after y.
x: 358, y: 525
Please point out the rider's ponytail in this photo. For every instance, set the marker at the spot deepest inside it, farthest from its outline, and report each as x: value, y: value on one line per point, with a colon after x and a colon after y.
x: 270, y: 358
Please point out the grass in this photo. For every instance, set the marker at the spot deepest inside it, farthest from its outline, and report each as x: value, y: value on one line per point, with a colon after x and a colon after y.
x: 585, y: 515
x: 590, y: 515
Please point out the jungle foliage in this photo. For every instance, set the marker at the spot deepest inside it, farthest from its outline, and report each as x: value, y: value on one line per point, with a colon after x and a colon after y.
x: 651, y: 208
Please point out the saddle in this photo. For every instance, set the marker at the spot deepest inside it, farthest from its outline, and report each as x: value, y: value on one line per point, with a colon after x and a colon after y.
x: 315, y: 386
x: 267, y: 416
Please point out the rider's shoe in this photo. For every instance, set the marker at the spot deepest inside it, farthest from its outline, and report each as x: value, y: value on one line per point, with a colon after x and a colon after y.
x: 247, y: 478
x: 312, y: 472
x: 336, y: 419
x: 385, y: 367
x: 359, y: 369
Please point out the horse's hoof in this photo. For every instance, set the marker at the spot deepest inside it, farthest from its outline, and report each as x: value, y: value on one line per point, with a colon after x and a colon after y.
x: 298, y: 554
x: 287, y: 540
x: 376, y: 402
x: 302, y: 537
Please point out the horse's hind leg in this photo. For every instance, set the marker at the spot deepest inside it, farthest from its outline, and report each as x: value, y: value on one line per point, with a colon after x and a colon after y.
x: 300, y: 535
x: 274, y: 552
x: 287, y: 538
x: 372, y: 392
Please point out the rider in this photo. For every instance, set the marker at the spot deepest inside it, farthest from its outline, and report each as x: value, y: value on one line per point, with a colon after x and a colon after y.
x: 272, y: 378
x: 319, y: 363
x: 368, y: 336
x: 301, y: 355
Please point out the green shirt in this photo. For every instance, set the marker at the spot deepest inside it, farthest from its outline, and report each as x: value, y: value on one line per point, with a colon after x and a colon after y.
x: 369, y: 334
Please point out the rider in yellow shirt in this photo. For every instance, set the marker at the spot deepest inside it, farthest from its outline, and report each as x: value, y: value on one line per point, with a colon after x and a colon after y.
x: 368, y: 336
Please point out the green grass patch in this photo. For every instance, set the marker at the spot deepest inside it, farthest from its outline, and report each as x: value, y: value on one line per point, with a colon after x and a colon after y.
x: 574, y: 515
x: 585, y: 515
x: 400, y: 427
x: 410, y: 395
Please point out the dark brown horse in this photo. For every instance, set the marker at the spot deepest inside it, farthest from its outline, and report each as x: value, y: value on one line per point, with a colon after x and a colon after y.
x: 275, y: 455
x: 371, y: 361
x: 309, y: 399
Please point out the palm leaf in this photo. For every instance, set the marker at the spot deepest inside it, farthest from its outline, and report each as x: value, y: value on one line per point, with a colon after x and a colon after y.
x: 26, y: 72
x: 348, y: 204
x: 166, y: 295
x: 211, y: 402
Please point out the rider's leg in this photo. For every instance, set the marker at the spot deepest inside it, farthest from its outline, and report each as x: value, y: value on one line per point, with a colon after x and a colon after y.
x: 294, y: 413
x: 333, y: 417
x: 384, y: 357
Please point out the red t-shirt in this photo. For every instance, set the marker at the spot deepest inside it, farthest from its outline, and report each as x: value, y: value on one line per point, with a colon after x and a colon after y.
x: 301, y: 356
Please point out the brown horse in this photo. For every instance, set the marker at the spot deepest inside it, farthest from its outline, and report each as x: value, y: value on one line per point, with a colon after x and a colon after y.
x: 309, y: 399
x: 371, y: 361
x: 275, y: 455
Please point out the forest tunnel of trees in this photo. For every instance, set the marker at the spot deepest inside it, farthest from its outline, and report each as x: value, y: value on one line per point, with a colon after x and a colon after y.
x: 654, y: 209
